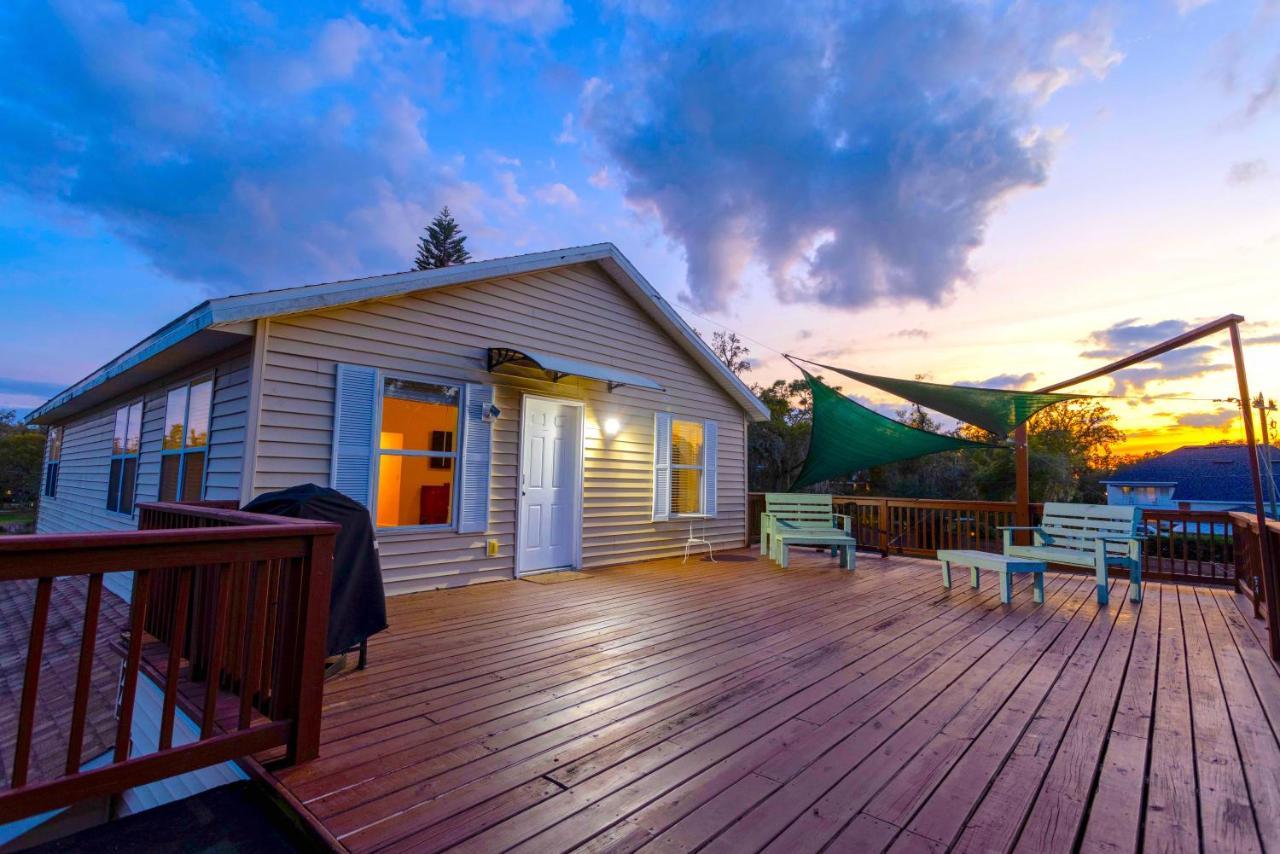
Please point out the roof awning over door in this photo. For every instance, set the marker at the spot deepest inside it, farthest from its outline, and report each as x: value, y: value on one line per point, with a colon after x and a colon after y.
x: 559, y: 367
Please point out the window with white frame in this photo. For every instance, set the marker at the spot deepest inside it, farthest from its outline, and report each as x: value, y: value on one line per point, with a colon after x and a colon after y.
x: 52, y: 462
x: 123, y: 472
x: 416, y: 453
x: 185, y: 443
x: 688, y: 467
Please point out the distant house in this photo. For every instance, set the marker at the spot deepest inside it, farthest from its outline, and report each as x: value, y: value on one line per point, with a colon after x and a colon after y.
x: 497, y: 418
x: 1193, y: 477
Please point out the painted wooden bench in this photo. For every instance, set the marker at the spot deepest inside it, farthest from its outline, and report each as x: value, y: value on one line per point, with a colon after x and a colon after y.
x: 803, y: 519
x: 1003, y: 564
x: 1096, y: 536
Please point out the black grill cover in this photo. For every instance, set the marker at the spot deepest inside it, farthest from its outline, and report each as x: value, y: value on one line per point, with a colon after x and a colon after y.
x: 357, y: 605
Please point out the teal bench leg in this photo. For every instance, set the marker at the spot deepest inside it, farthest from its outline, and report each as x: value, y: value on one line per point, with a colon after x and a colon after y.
x: 783, y: 549
x: 1104, y: 595
x: 851, y: 557
x: 1135, y: 582
x: 1006, y: 586
x: 946, y: 574
x: 1037, y: 592
x: 973, y: 577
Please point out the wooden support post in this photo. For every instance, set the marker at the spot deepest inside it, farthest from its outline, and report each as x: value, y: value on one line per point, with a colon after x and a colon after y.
x: 1270, y: 583
x: 1021, y: 483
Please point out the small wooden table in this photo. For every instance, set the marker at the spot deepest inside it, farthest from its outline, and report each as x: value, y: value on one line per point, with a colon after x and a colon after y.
x: 840, y: 543
x: 1006, y: 566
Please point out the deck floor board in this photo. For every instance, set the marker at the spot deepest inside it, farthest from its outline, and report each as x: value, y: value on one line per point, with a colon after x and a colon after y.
x: 735, y: 706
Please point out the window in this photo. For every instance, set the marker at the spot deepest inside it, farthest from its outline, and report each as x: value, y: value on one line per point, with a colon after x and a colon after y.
x: 123, y: 472
x: 416, y: 453
x: 688, y: 466
x: 186, y: 441
x: 52, y: 462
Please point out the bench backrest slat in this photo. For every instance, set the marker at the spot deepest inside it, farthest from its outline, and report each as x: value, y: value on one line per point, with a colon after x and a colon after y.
x: 799, y: 509
x: 1078, y: 526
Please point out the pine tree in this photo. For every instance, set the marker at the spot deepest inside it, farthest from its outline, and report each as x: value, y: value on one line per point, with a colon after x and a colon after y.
x: 443, y: 243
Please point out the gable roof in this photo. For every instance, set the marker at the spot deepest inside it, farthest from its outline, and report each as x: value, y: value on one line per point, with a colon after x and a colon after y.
x: 217, y: 323
x: 1198, y: 472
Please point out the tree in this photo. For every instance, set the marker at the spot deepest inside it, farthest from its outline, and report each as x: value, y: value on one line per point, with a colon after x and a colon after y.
x: 729, y: 348
x: 21, y: 458
x: 443, y: 244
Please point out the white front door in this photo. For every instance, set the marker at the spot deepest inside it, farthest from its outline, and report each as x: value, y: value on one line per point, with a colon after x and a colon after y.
x: 549, y: 484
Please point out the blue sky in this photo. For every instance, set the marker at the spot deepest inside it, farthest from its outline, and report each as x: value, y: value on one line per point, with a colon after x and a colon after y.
x: 961, y: 189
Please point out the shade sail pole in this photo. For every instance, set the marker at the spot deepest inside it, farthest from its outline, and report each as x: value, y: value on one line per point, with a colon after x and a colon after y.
x: 1265, y: 544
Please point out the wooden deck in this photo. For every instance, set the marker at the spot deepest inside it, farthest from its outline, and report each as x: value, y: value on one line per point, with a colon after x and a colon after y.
x: 737, y: 707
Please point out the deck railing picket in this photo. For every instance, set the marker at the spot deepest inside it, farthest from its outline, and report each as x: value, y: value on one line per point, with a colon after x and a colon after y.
x: 205, y: 607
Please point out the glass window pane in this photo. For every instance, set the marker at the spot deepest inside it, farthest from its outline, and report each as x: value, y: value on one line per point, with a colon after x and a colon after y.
x: 193, y: 476
x: 419, y: 416
x: 170, y: 465
x: 55, y: 444
x: 134, y: 433
x: 686, y: 443
x: 113, y: 486
x: 411, y: 492
x: 128, y: 476
x: 686, y: 491
x: 122, y: 428
x: 198, y: 415
x: 175, y: 409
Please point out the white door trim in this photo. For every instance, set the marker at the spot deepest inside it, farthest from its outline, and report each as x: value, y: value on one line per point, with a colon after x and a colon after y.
x: 578, y: 477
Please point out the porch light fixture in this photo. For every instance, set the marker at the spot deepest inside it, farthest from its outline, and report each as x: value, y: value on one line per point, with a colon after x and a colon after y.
x: 611, y: 426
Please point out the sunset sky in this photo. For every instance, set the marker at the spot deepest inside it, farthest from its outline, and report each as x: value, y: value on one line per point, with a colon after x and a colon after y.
x: 999, y: 193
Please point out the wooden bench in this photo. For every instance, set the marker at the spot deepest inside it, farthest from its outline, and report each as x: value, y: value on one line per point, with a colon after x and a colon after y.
x: 1003, y: 564
x: 1096, y: 536
x: 801, y: 519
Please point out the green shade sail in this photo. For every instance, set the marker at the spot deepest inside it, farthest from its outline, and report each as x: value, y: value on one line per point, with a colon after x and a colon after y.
x: 995, y: 410
x: 849, y: 437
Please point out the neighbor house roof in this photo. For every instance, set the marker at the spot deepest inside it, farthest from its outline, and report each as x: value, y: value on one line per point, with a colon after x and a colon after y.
x: 1200, y: 472
x: 218, y: 323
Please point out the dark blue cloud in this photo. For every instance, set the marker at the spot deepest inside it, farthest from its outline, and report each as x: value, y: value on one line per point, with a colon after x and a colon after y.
x: 1005, y: 381
x: 852, y: 150
x: 234, y: 148
x: 20, y: 387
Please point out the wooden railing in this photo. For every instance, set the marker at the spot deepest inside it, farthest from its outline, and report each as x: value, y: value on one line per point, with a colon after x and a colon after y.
x: 227, y: 609
x: 1248, y: 552
x: 1189, y: 545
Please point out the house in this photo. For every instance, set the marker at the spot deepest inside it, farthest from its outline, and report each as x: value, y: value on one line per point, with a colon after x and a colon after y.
x: 497, y: 418
x: 1193, y: 477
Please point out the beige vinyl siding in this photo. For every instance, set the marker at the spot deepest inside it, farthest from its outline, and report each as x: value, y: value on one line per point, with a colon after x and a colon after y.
x: 81, y: 502
x: 576, y: 312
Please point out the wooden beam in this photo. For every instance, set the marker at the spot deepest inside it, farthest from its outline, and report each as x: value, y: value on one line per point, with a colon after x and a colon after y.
x: 1022, y: 478
x: 1225, y: 322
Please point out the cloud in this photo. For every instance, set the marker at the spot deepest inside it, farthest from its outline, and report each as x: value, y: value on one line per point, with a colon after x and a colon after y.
x: 910, y: 333
x: 35, y: 388
x: 1246, y: 171
x: 1248, y: 64
x: 1220, y: 419
x: 1129, y: 336
x: 1005, y: 381
x: 853, y: 152
x: 231, y: 152
x: 1264, y: 339
x: 566, y: 136
x: 536, y: 16
x: 600, y: 179
x: 557, y: 194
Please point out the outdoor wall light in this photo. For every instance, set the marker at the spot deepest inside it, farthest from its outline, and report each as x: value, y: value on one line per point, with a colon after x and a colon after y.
x: 612, y: 426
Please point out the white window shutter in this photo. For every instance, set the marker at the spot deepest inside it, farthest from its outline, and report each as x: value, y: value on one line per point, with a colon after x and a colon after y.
x: 661, y: 466
x: 355, y: 403
x: 709, y: 454
x: 477, y: 451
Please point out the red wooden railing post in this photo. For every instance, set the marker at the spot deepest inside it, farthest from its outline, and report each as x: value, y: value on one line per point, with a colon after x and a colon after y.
x: 307, y: 690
